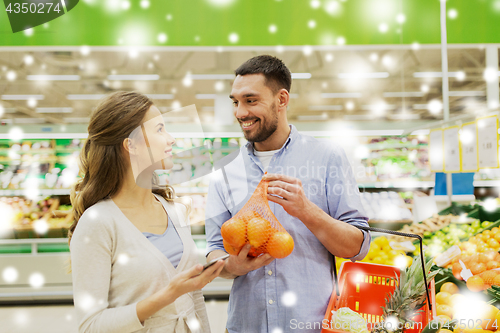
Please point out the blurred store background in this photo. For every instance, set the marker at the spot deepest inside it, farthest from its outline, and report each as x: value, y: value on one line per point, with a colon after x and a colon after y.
x: 367, y: 74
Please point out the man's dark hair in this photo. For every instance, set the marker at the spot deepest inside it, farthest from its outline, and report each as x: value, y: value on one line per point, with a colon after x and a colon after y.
x: 277, y: 75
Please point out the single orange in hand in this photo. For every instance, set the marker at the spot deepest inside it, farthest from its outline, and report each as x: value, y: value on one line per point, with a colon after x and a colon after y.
x: 280, y: 245
x: 258, y: 231
x: 255, y: 252
x: 475, y: 283
x: 231, y: 249
x: 234, y: 232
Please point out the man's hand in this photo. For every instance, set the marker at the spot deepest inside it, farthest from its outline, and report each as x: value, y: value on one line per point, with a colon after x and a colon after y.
x: 241, y: 264
x: 293, y: 199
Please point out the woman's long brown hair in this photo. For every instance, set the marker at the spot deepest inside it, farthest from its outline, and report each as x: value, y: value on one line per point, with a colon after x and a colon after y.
x: 103, y: 163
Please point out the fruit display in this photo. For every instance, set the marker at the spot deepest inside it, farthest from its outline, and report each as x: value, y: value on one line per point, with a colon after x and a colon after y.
x: 381, y: 252
x: 427, y: 226
x: 453, y: 234
x: 255, y: 224
x: 470, y: 313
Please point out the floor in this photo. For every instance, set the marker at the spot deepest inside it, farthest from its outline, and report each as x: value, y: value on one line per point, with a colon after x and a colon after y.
x: 61, y: 318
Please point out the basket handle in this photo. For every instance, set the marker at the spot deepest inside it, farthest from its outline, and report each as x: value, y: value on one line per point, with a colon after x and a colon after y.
x: 397, y: 234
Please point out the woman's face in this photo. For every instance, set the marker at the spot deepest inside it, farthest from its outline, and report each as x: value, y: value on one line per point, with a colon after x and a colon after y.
x: 151, y: 144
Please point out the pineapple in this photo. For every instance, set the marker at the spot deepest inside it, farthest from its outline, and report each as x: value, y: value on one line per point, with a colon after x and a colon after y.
x: 408, y: 297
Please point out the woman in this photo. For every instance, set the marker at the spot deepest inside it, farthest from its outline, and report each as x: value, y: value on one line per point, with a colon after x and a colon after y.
x: 134, y: 263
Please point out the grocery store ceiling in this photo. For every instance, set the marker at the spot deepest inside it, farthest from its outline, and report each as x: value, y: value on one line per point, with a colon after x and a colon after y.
x: 348, y: 84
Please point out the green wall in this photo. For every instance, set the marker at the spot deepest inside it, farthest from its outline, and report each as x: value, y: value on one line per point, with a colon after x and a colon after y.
x: 92, y: 22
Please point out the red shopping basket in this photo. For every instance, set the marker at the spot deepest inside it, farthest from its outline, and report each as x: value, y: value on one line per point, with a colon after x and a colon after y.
x: 363, y: 287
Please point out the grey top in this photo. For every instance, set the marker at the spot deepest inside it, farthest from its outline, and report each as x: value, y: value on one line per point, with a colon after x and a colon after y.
x: 169, y: 243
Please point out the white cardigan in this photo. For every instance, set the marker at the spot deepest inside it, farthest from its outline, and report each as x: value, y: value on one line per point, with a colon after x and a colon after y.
x: 114, y: 266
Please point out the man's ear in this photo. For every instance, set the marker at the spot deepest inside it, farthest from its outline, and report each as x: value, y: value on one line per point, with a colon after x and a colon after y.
x: 283, y: 98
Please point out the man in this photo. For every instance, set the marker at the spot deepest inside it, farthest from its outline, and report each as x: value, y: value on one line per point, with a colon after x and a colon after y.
x: 312, y: 193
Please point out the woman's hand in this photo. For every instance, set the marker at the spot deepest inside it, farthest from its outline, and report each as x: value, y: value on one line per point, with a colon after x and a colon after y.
x: 193, y: 279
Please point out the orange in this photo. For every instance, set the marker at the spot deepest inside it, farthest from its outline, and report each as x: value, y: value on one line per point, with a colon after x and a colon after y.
x: 258, y: 231
x: 493, y: 243
x: 478, y: 268
x: 482, y: 247
x: 492, y: 265
x: 488, y: 277
x: 497, y: 319
x: 475, y: 283
x: 456, y: 269
x: 230, y: 249
x: 497, y: 236
x: 487, y: 233
x: 483, y: 257
x: 495, y: 230
x: 443, y: 319
x: 234, y: 231
x: 449, y: 287
x: 443, y: 298
x: 255, y: 252
x: 496, y: 282
x: 280, y: 245
x: 443, y: 309
x: 488, y: 315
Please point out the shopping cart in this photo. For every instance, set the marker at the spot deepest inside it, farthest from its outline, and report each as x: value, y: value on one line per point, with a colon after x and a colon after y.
x: 363, y: 287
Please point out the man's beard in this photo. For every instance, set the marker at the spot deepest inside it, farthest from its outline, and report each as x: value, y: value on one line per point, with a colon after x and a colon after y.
x: 266, y: 128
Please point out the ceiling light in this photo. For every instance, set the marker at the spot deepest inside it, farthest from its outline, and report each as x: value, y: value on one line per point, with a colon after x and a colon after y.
x: 433, y: 74
x: 132, y: 77
x: 329, y: 57
x: 31, y: 102
x: 54, y: 110
x: 176, y: 105
x: 373, y: 57
x: 341, y: 95
x: 11, y: 75
x: 219, y: 86
x: 435, y: 106
x: 187, y: 81
x: 28, y: 59
x: 22, y: 97
x: 85, y: 50
x: 373, y: 75
x: 490, y: 74
x: 424, y: 88
x: 53, y: 77
x: 404, y: 94
x: 349, y: 105
x: 307, y: 50
x: 460, y: 76
x: 467, y: 93
x: 301, y: 76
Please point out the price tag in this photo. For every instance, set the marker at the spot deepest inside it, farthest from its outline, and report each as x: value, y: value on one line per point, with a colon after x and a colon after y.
x: 436, y: 156
x: 451, y: 149
x: 468, y: 147
x: 487, y: 142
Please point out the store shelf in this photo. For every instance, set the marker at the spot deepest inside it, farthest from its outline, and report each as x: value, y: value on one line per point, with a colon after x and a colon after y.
x: 383, y: 146
x: 487, y: 183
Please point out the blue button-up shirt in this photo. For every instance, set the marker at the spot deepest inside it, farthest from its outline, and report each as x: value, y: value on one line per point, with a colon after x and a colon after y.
x: 291, y: 294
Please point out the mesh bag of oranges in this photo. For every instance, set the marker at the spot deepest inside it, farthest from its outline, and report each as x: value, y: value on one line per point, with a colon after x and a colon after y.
x: 255, y: 224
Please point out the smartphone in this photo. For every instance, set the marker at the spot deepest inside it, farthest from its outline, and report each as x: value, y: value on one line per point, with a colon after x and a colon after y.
x: 208, y: 264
